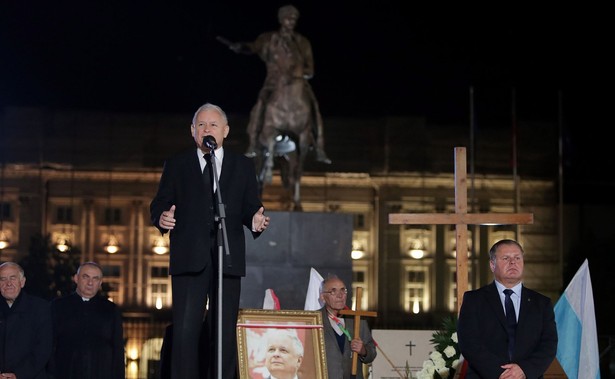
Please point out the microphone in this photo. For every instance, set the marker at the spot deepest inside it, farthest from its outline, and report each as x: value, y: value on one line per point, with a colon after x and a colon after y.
x: 210, y: 142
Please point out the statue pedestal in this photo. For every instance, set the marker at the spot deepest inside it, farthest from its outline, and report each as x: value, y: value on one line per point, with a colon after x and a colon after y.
x: 281, y: 258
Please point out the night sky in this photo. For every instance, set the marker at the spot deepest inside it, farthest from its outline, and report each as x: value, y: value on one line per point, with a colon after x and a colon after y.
x: 371, y: 60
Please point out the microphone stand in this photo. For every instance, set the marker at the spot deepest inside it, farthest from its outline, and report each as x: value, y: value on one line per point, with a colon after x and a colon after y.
x: 222, y: 241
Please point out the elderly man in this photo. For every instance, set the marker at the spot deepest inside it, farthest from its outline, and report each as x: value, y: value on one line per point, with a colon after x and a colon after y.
x: 25, y: 328
x: 284, y: 354
x: 185, y: 207
x: 339, y: 343
x: 87, y: 329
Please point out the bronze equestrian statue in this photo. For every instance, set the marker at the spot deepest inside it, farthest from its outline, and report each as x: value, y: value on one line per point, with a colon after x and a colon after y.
x: 286, y: 106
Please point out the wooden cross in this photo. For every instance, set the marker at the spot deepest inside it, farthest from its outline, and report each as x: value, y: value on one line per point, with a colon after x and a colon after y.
x: 357, y: 313
x: 461, y: 219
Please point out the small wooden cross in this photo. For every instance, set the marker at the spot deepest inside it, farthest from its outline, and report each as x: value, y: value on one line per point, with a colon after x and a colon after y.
x: 461, y: 219
x: 357, y: 313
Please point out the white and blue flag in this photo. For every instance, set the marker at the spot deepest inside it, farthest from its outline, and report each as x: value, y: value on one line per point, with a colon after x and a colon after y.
x: 577, y: 346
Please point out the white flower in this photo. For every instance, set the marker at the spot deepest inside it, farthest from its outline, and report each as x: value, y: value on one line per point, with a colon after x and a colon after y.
x: 450, y: 351
x: 439, y: 362
x: 428, y: 366
x: 445, y: 358
x: 427, y: 371
x: 455, y: 364
x: 443, y: 372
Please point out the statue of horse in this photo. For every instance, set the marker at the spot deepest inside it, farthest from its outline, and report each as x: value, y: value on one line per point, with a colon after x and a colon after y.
x: 286, y: 109
x: 288, y: 122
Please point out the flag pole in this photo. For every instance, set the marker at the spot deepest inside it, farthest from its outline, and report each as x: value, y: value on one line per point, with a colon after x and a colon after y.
x: 472, y: 188
x: 560, y: 171
x: 514, y: 155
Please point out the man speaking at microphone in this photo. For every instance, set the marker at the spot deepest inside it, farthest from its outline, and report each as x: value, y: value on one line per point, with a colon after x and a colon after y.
x: 185, y: 206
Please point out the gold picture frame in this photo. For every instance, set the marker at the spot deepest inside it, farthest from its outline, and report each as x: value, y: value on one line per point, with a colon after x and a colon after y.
x: 256, y: 326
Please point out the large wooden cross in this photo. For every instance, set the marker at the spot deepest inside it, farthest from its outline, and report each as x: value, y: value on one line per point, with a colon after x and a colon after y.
x: 461, y: 219
x: 357, y: 313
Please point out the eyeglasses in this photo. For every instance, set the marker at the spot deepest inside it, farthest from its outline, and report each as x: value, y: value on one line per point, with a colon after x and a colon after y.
x: 336, y: 291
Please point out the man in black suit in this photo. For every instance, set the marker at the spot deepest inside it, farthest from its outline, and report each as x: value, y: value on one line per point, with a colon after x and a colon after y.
x: 184, y: 205
x: 88, y: 333
x: 522, y: 345
x: 25, y: 327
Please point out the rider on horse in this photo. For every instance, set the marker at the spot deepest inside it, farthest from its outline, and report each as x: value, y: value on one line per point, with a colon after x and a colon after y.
x: 286, y: 53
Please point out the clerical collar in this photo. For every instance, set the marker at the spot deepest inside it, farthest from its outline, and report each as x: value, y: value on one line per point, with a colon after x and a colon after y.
x: 82, y: 297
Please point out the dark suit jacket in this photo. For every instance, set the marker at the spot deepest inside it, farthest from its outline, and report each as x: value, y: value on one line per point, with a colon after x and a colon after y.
x: 483, y: 339
x: 339, y: 365
x: 181, y: 184
x: 88, y: 338
x: 26, y: 327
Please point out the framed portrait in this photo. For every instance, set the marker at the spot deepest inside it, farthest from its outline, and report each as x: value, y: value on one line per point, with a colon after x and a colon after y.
x: 280, y: 343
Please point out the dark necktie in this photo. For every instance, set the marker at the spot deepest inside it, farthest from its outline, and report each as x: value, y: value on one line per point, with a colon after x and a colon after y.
x: 207, y: 171
x: 511, y: 321
x: 208, y: 177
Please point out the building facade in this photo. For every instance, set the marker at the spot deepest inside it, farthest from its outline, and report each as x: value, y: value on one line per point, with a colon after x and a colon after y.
x: 100, y: 205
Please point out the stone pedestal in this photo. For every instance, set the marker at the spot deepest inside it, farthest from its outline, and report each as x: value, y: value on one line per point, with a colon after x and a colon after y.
x: 282, y: 256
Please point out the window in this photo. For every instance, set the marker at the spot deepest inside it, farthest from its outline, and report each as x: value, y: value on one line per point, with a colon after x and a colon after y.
x: 112, y: 282
x: 359, y: 221
x: 64, y: 215
x: 159, y: 288
x: 359, y: 279
x: 6, y: 211
x: 452, y: 292
x: 160, y: 272
x: 113, y: 216
x: 415, y: 293
x: 452, y: 284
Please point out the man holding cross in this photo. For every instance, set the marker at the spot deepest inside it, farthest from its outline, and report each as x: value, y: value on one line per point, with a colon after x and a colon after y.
x: 340, y: 344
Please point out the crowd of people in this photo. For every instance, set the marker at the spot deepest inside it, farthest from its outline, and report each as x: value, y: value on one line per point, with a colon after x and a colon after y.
x: 72, y: 337
x: 80, y: 335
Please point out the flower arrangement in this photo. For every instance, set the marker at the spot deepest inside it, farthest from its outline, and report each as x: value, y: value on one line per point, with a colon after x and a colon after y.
x: 444, y: 360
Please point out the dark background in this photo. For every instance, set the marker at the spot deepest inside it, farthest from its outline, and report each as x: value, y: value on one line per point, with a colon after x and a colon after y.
x: 372, y: 60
